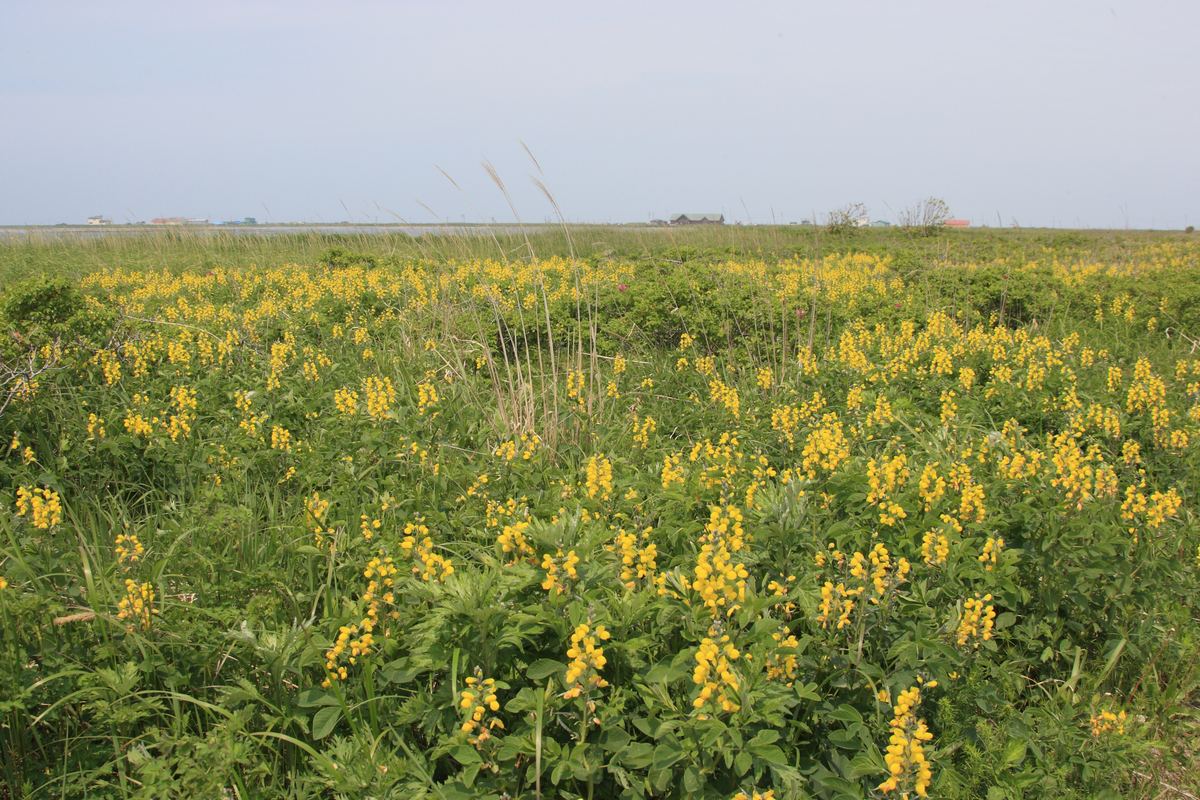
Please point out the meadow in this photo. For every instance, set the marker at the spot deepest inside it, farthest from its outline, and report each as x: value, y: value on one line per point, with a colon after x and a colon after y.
x: 741, y: 514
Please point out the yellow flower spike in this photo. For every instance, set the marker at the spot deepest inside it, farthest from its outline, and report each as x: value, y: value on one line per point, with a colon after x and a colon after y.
x: 976, y: 622
x: 599, y: 477
x: 41, y: 505
x: 586, y: 661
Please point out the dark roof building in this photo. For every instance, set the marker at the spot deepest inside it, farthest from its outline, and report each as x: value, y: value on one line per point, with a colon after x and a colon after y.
x: 698, y: 219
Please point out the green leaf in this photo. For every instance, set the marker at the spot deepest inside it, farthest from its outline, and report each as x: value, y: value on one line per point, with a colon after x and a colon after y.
x: 664, y: 672
x: 543, y: 668
x: 807, y: 691
x: 614, y: 739
x: 861, y: 766
x: 845, y: 739
x: 311, y: 698
x: 846, y: 713
x: 765, y: 736
x: 638, y: 755
x: 666, y: 753
x: 399, y: 672
x: 466, y: 755
x: 324, y: 721
x: 646, y: 726
x: 769, y: 753
x: 1014, y: 752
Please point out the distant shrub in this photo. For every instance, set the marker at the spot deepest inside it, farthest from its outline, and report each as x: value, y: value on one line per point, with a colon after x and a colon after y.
x: 44, y: 310
x: 336, y: 258
x: 926, y: 217
x: 1013, y: 296
x: 845, y: 219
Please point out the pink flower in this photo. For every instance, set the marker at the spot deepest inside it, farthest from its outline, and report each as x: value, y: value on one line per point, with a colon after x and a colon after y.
x: 622, y: 287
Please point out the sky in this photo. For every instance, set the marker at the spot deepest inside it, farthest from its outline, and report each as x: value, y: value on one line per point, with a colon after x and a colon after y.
x: 1066, y: 114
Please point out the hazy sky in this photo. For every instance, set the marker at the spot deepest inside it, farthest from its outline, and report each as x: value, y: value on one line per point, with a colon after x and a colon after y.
x: 1046, y: 113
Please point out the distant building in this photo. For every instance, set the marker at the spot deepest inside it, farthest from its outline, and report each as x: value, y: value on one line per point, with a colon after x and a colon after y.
x: 862, y: 222
x: 957, y: 223
x: 98, y: 220
x: 242, y: 221
x: 179, y: 221
x: 698, y: 219
x: 881, y: 223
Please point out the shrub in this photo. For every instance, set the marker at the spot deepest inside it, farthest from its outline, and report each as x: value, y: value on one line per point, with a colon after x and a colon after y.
x: 44, y: 310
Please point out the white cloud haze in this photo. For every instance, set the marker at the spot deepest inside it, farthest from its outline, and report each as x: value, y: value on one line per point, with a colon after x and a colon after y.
x: 1065, y: 113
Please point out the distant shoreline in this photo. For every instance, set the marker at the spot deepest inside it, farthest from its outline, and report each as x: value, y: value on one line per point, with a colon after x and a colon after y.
x: 12, y: 232
x: 446, y: 228
x: 268, y: 225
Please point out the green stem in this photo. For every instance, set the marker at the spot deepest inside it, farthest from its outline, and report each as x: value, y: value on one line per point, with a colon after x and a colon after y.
x: 583, y: 726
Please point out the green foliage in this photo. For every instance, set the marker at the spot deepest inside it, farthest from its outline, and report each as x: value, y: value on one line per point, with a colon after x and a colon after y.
x: 226, y: 690
x: 40, y: 311
x: 337, y: 258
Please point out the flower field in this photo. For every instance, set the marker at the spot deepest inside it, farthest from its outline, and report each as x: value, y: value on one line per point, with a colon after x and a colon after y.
x: 769, y: 526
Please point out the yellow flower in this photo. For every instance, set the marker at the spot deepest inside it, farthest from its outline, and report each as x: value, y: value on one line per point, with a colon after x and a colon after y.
x: 41, y: 504
x: 826, y: 447
x: 642, y: 430
x: 345, y: 400
x: 380, y: 394
x: 478, y: 704
x: 512, y: 540
x: 714, y: 674
x: 886, y: 477
x: 575, y: 381
x: 587, y: 660
x: 427, y: 397
x: 137, y: 606
x: 672, y: 471
x: 128, y: 548
x: 417, y: 543
x: 881, y: 415
x: 560, y: 568
x: 935, y: 548
x: 281, y: 439
x: 931, y: 486
x: 718, y: 579
x: 599, y: 482
x: 909, y: 771
x: 1107, y: 723
x: 726, y: 396
x: 990, y: 556
x: 976, y: 622
x: 639, y: 557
